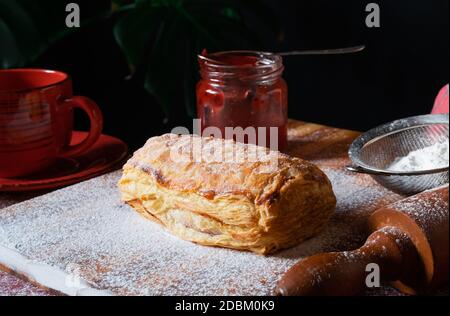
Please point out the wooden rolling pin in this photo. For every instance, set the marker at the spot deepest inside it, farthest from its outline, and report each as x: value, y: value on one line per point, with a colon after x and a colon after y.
x: 409, y: 243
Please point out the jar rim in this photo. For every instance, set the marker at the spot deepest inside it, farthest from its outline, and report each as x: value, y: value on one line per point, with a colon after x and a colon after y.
x: 266, y: 59
x: 267, y: 65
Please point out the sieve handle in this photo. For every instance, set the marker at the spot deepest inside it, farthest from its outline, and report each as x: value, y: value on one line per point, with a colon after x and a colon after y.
x: 359, y: 169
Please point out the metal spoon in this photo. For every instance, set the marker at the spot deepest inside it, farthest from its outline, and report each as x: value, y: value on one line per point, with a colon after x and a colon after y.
x: 336, y: 51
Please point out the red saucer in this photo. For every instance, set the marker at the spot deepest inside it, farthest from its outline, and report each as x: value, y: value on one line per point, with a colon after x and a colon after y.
x: 106, y: 155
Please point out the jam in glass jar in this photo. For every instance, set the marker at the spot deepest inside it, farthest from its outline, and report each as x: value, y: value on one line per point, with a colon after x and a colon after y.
x: 243, y: 92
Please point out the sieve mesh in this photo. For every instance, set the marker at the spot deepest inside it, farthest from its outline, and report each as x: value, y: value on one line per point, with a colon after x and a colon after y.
x: 380, y: 153
x: 376, y: 150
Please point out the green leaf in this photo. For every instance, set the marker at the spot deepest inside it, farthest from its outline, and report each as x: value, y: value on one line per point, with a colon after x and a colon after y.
x: 155, y: 78
x: 190, y: 80
x: 21, y: 31
x: 117, y: 4
x: 34, y: 25
x: 264, y: 13
x: 9, y: 52
x: 231, y: 13
x: 135, y: 31
x: 46, y: 16
x: 161, y: 3
x: 161, y: 40
x: 183, y: 67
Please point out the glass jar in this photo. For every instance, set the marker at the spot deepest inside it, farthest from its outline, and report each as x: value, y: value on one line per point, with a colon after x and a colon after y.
x: 242, y: 95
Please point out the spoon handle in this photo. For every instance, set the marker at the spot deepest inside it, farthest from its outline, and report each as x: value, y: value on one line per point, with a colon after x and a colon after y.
x: 337, y: 51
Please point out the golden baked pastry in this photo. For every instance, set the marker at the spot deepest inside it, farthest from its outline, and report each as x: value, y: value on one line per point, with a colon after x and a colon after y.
x: 265, y: 204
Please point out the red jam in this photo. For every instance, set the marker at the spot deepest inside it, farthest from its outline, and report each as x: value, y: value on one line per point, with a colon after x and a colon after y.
x: 244, y: 91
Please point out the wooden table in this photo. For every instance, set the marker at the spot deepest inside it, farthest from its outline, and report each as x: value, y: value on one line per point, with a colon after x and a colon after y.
x: 325, y: 146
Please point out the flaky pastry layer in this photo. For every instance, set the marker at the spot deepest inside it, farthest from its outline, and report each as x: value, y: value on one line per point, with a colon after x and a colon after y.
x: 261, y: 205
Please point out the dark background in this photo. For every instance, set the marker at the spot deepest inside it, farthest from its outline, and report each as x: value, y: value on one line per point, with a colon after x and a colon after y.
x: 400, y: 73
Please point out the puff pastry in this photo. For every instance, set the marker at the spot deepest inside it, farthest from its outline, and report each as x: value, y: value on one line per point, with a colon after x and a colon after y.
x: 261, y: 205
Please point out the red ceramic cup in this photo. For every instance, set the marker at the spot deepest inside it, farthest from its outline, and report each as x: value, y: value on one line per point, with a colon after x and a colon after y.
x: 36, y: 120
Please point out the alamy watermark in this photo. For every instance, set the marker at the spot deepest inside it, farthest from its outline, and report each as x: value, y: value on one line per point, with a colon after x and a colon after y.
x: 73, y: 278
x: 373, y: 278
x: 73, y: 18
x: 373, y: 18
x: 195, y: 149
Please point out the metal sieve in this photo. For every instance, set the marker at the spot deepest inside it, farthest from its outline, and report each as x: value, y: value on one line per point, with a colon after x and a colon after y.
x: 373, y: 152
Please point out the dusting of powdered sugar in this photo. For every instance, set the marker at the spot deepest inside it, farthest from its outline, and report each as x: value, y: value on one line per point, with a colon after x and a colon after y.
x: 428, y: 158
x: 429, y: 209
x: 87, y: 229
